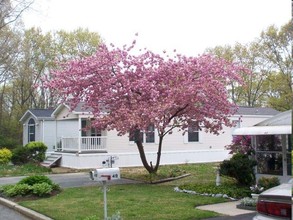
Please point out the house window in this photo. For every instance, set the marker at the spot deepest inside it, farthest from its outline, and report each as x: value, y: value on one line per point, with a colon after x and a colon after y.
x: 150, y: 134
x: 193, y: 133
x: 88, y: 130
x: 236, y: 124
x: 31, y: 130
x: 145, y: 137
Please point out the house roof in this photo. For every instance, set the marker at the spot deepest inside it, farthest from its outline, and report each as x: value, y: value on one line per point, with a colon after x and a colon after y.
x: 279, y: 124
x: 243, y: 110
x: 284, y: 118
x: 38, y: 114
x: 42, y: 113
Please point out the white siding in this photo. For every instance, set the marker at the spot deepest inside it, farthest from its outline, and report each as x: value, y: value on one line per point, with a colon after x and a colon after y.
x: 176, y: 142
x: 49, y: 135
x: 67, y: 128
x: 24, y: 133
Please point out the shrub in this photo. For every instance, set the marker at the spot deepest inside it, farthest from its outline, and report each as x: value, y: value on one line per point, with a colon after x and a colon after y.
x: 239, y: 167
x: 20, y: 155
x: 42, y: 189
x: 37, y: 151
x: 268, y: 182
x: 5, y: 188
x: 32, y: 152
x: 5, y: 156
x: 38, y: 185
x: 18, y: 190
x: 36, y: 179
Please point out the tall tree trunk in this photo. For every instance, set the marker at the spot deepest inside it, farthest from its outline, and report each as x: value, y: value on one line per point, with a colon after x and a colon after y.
x: 148, y: 166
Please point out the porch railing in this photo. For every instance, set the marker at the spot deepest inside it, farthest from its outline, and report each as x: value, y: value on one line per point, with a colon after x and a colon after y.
x: 83, y: 144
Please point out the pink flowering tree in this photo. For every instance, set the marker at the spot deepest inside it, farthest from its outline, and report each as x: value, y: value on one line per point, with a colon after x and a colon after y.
x: 241, y: 144
x: 130, y: 92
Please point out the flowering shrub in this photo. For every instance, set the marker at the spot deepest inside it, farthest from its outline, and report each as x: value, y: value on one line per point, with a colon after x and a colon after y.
x: 5, y: 156
x: 248, y: 202
x: 241, y: 144
x: 256, y: 189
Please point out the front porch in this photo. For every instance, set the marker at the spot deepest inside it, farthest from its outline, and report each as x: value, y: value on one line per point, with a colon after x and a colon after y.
x: 91, y: 144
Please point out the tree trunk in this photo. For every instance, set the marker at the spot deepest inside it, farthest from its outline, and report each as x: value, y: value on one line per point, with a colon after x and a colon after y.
x: 149, y: 166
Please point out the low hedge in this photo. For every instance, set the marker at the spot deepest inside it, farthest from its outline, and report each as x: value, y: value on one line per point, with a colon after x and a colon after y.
x: 233, y: 191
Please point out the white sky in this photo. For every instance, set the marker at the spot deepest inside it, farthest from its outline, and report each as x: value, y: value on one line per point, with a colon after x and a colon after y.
x: 189, y: 26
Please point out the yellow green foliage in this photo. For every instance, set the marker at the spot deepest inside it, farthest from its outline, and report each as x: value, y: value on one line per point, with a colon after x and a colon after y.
x: 5, y: 155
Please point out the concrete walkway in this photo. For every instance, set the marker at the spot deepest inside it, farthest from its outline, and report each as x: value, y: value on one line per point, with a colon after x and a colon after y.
x: 226, y: 208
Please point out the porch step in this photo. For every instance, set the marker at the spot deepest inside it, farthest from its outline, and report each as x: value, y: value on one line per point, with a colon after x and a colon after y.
x: 52, y: 160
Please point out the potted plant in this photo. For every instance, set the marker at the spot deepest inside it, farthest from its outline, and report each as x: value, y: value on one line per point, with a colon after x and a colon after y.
x: 255, y: 191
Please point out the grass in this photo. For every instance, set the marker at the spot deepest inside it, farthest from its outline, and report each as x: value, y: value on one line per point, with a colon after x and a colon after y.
x: 142, y: 201
x: 139, y: 201
x: 31, y: 169
x: 23, y: 170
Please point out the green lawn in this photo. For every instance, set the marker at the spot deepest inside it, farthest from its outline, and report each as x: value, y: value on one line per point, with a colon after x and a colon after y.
x: 23, y: 170
x: 141, y: 201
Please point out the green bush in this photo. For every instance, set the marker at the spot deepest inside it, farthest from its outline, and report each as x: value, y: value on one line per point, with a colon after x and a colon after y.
x: 37, y: 151
x: 240, y: 167
x: 42, y: 189
x: 37, y: 185
x: 18, y: 190
x: 268, y: 182
x: 20, y: 155
x: 5, y: 188
x: 5, y: 156
x: 32, y: 152
x: 36, y: 179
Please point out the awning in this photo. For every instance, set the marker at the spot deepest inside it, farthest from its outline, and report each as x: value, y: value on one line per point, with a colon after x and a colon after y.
x: 263, y: 130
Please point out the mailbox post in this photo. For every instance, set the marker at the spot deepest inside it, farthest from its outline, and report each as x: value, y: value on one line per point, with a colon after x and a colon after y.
x: 105, y: 175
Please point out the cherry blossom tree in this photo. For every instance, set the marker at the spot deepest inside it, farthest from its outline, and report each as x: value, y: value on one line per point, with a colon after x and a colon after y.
x: 130, y: 92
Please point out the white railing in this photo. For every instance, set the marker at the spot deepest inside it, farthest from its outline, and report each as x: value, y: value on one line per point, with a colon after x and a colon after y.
x: 83, y: 144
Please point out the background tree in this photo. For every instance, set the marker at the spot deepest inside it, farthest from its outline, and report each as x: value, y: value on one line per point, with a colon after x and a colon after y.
x: 277, y: 49
x: 130, y: 93
x: 269, y: 58
x: 11, y: 10
x: 26, y: 58
x: 252, y: 93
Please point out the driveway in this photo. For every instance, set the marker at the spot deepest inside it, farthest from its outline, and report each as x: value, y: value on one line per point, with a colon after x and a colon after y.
x: 68, y: 180
x: 10, y: 214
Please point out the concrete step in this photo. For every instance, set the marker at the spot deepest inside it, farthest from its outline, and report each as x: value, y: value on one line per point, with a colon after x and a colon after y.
x: 51, y: 160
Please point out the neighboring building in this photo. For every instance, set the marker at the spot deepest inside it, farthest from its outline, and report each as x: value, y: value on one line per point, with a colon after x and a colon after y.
x: 39, y: 125
x: 87, y: 148
x: 272, y: 141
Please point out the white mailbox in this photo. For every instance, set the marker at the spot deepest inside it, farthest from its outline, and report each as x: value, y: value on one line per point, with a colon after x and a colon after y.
x: 105, y: 174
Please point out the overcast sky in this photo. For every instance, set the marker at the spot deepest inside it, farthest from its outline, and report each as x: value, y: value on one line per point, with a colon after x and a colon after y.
x: 189, y: 26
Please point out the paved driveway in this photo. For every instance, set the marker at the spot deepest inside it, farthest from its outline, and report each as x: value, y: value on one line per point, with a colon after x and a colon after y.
x: 9, y: 214
x: 68, y: 180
